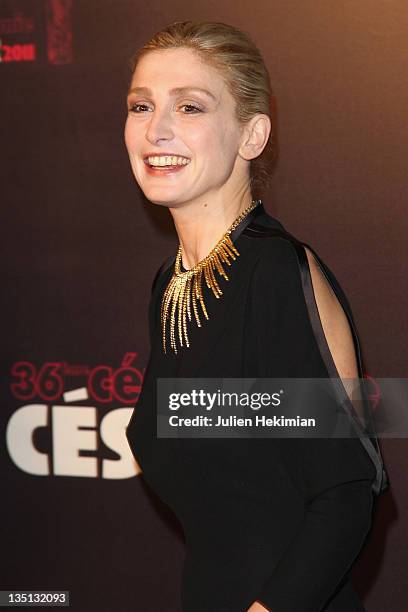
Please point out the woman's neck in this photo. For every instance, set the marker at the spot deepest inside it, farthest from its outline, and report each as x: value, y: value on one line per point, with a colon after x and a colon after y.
x: 200, y: 225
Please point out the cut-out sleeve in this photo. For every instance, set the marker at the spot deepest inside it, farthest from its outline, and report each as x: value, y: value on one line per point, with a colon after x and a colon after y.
x: 334, y: 475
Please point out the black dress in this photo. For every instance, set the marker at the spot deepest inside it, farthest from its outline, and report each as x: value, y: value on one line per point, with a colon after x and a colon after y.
x: 280, y: 520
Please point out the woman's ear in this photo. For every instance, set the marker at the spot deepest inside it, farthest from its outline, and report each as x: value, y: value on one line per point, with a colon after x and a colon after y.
x: 255, y: 136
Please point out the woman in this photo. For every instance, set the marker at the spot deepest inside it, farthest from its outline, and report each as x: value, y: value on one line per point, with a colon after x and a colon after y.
x: 270, y: 524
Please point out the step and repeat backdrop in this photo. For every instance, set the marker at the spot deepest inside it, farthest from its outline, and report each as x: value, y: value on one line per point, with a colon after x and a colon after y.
x: 81, y: 246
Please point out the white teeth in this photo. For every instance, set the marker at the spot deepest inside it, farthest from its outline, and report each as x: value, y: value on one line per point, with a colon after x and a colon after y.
x: 168, y: 160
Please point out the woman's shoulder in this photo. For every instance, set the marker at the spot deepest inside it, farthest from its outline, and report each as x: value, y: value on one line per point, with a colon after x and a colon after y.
x: 287, y: 261
x: 297, y: 284
x: 281, y: 249
x: 293, y: 263
x: 282, y: 259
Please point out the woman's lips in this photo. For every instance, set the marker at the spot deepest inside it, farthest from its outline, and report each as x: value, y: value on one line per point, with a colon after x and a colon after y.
x: 163, y: 170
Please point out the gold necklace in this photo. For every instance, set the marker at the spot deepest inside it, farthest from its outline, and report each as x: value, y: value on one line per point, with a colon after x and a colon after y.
x: 185, y: 288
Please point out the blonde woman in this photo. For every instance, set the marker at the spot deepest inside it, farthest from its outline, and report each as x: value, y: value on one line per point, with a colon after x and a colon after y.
x: 270, y: 524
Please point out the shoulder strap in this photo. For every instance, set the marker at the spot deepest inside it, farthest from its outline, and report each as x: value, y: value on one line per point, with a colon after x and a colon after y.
x: 370, y: 442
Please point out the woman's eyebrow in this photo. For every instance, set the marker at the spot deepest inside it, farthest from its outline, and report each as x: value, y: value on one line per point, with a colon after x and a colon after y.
x: 174, y: 91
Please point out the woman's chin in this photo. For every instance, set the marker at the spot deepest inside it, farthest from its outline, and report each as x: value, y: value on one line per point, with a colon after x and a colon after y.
x: 161, y: 199
x: 162, y: 195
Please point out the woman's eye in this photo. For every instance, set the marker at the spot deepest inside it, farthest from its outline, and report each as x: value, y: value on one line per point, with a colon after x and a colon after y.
x: 135, y: 108
x: 193, y: 107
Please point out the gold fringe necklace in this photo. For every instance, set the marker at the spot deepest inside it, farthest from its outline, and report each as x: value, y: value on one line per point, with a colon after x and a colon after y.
x: 184, y: 288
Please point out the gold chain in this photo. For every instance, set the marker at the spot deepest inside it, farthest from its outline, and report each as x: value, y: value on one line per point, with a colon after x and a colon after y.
x: 185, y: 287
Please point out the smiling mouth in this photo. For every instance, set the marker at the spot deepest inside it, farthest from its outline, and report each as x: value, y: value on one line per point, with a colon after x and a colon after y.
x: 166, y: 161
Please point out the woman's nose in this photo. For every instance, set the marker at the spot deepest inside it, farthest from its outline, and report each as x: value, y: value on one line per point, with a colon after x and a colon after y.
x: 159, y: 127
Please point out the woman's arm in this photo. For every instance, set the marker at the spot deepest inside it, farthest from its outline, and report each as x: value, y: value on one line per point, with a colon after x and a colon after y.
x: 336, y: 481
x: 331, y: 536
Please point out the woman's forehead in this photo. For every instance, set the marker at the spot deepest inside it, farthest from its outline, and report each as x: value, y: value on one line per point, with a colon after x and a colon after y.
x: 182, y: 67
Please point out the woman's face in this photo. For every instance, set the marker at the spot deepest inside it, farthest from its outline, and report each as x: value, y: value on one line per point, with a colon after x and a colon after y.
x: 180, y: 106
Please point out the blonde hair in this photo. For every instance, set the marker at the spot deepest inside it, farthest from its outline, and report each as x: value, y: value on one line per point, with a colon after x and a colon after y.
x: 240, y: 63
